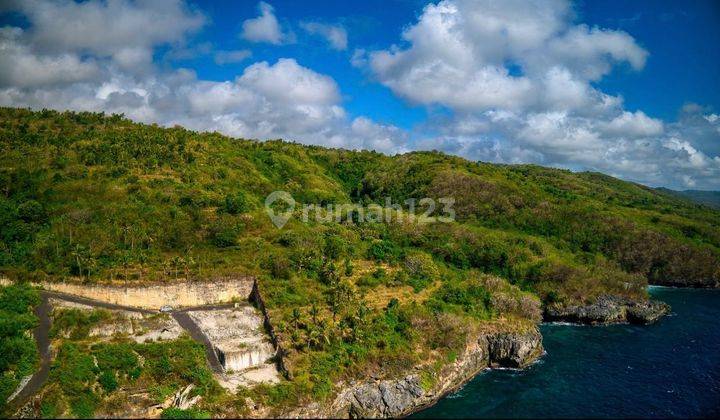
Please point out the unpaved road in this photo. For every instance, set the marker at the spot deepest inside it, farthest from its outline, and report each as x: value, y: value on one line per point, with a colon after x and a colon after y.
x: 42, y: 337
x: 42, y: 340
x: 196, y: 333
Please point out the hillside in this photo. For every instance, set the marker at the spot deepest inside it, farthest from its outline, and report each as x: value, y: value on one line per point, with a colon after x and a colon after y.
x: 97, y: 198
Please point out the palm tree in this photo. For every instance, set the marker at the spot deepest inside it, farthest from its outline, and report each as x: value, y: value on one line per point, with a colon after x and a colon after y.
x: 314, y: 312
x: 295, y: 317
x: 318, y: 336
x: 78, y: 253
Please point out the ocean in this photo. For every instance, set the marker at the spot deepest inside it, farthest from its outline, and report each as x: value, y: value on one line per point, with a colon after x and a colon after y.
x: 669, y: 369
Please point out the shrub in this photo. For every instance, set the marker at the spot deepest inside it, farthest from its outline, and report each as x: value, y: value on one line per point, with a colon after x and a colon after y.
x: 224, y: 232
x: 384, y: 250
x: 236, y: 203
x: 470, y: 298
x: 421, y: 270
x: 108, y: 381
x: 18, y: 353
x: 31, y: 211
x: 76, y: 323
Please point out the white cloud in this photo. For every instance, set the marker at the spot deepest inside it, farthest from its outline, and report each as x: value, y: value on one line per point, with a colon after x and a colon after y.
x: 234, y: 56
x: 335, y: 35
x: 124, y: 30
x: 20, y: 67
x: 264, y: 28
x: 518, y: 78
x: 367, y: 134
x: 629, y: 124
x: 462, y: 54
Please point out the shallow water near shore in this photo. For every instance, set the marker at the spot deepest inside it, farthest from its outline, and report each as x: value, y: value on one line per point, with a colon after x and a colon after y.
x: 669, y: 369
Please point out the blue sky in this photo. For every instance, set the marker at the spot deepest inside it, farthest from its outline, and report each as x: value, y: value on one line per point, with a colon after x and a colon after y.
x: 626, y: 88
x: 682, y: 38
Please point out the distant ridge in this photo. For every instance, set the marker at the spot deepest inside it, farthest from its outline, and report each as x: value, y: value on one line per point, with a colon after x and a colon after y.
x: 708, y: 198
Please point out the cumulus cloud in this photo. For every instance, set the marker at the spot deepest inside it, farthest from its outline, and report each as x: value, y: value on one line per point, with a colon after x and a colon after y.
x: 518, y: 79
x: 20, y: 67
x: 124, y: 30
x: 460, y: 51
x: 335, y: 35
x: 264, y: 28
x: 267, y: 100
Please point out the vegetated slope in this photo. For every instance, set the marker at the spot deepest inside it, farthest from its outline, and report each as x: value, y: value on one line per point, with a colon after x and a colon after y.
x: 84, y: 194
x: 99, y: 197
x: 709, y: 198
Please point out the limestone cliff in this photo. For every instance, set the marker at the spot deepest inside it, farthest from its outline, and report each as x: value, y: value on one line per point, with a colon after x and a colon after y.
x: 176, y: 294
x: 400, y: 397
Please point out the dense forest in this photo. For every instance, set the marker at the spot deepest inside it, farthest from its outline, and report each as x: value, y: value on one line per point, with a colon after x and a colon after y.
x: 97, y: 198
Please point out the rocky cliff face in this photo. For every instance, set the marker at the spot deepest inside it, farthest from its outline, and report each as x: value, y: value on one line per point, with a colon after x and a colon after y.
x: 400, y: 397
x: 175, y: 294
x: 608, y: 310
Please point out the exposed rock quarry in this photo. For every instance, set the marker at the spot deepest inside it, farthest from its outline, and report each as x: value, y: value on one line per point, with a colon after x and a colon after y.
x: 609, y: 310
x: 400, y: 397
x: 177, y: 294
x: 241, y: 344
x: 137, y: 326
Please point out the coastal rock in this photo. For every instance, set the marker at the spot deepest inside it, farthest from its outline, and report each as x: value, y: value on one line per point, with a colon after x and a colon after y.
x: 400, y: 397
x: 647, y: 312
x: 608, y: 309
x: 513, y: 349
x: 386, y: 398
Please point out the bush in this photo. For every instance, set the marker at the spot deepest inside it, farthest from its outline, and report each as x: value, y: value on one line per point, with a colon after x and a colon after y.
x: 421, y: 270
x: 224, y: 232
x: 74, y: 369
x: 108, y: 381
x: 18, y: 353
x: 384, y: 251
x: 84, y: 405
x: 32, y: 212
x: 470, y: 298
x: 118, y: 357
x: 76, y: 323
x: 236, y: 203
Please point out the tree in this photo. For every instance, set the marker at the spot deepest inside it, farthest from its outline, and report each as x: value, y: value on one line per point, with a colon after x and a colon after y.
x: 296, y: 317
x: 340, y: 294
x: 314, y: 312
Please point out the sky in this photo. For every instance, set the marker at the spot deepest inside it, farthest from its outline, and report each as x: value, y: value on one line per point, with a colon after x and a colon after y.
x: 628, y: 88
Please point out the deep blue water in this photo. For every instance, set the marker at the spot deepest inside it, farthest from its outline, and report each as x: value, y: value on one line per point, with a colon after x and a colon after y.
x: 670, y: 369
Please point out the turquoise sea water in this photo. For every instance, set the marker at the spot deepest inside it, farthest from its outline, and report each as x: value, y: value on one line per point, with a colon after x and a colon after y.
x: 670, y: 369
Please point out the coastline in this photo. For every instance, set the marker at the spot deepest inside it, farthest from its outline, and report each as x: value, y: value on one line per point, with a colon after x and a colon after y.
x: 402, y: 397
x: 661, y: 310
x: 666, y: 370
x: 406, y: 395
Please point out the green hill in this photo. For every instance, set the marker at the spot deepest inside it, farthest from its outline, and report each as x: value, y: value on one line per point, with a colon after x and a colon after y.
x: 102, y: 198
x: 89, y: 195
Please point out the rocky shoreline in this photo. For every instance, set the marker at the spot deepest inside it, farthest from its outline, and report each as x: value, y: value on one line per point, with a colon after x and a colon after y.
x: 406, y: 395
x: 401, y: 397
x: 608, y: 309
